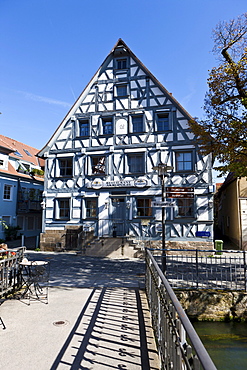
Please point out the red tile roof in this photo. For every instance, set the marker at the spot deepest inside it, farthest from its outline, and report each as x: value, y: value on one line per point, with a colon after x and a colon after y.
x: 26, y: 154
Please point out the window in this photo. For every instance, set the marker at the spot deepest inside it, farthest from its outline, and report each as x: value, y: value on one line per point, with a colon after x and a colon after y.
x: 107, y: 126
x: 18, y: 153
x: 27, y: 152
x: 162, y: 120
x: 84, y: 127
x: 91, y: 208
x: 184, y: 161
x: 144, y: 208
x: 1, y: 162
x: 185, y: 208
x: 137, y: 123
x: 98, y: 165
x: 7, y: 192
x: 121, y: 90
x: 65, y: 167
x: 26, y: 167
x: 121, y: 63
x: 63, y: 209
x: 136, y: 163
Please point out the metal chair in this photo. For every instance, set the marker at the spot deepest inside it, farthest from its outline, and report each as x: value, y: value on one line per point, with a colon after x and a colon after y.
x: 36, y: 282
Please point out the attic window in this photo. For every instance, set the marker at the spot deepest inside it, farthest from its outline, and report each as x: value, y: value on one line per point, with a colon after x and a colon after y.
x: 121, y: 63
x: 18, y: 153
x: 27, y: 152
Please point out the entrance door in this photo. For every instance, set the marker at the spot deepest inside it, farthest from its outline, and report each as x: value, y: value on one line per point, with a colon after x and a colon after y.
x: 118, y: 216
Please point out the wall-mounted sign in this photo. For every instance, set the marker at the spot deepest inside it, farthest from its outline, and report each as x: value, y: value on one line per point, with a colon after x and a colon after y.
x: 98, y: 183
x: 163, y: 204
x: 140, y: 183
x: 203, y: 234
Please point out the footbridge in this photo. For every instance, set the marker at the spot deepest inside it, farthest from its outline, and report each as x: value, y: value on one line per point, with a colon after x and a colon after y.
x: 107, y: 313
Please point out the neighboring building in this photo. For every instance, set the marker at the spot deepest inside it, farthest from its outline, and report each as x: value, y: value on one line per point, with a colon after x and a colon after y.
x: 21, y: 187
x: 99, y: 162
x: 232, y: 210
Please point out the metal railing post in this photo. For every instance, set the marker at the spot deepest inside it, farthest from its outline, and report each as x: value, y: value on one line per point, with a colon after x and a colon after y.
x: 245, y: 277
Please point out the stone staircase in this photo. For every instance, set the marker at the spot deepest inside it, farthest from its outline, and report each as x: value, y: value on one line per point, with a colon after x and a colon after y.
x: 111, y: 247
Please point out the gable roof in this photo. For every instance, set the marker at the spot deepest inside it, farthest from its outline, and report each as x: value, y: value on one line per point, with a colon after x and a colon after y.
x: 120, y: 49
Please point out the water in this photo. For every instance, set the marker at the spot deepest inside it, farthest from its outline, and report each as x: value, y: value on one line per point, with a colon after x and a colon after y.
x: 226, y: 343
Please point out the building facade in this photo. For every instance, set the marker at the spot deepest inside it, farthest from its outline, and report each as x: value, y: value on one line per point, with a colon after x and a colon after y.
x: 21, y: 188
x: 232, y: 210
x: 100, y: 174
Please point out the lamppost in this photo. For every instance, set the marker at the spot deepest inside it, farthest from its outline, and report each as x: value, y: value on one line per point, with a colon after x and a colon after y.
x: 162, y: 170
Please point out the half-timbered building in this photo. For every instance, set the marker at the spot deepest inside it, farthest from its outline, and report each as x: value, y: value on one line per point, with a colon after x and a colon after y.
x: 100, y: 175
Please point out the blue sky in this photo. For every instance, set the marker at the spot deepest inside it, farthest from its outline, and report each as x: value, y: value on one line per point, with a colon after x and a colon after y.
x: 50, y: 49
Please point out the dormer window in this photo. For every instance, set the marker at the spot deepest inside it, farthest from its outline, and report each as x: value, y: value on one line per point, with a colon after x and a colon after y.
x: 121, y: 63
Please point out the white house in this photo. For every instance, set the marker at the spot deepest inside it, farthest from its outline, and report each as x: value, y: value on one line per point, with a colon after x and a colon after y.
x: 100, y: 162
x: 21, y: 187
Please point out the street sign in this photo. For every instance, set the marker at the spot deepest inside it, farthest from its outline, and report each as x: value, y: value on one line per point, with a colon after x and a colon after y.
x: 173, y: 189
x: 180, y: 195
x: 179, y: 192
x: 163, y: 204
x: 202, y: 234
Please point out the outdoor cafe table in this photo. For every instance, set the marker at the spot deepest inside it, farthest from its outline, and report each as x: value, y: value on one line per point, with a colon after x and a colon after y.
x: 33, y: 274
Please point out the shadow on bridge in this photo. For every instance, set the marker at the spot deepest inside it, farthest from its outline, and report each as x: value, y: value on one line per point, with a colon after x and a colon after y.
x: 110, y: 332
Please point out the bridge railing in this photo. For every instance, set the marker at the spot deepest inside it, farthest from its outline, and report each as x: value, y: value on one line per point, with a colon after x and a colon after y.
x: 178, y: 344
x: 205, y: 269
x: 10, y: 270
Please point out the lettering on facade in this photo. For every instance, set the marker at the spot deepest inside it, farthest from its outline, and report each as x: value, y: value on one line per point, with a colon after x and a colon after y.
x: 98, y: 184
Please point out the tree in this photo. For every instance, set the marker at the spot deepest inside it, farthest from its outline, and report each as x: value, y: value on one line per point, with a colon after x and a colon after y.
x: 224, y: 131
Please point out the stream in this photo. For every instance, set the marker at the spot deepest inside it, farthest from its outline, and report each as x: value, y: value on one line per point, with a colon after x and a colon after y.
x: 226, y: 343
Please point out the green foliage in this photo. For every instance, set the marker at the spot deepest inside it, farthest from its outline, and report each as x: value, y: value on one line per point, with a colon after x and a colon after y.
x: 38, y: 172
x: 11, y: 232
x: 224, y: 131
x: 3, y: 223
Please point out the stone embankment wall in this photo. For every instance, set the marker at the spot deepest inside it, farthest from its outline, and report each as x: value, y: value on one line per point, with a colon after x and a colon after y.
x: 208, y: 305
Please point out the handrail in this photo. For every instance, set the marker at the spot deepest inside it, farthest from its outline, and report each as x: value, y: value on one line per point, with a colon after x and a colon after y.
x: 196, y: 343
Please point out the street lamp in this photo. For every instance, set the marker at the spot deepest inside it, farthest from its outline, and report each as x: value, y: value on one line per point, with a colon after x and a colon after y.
x: 162, y: 170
